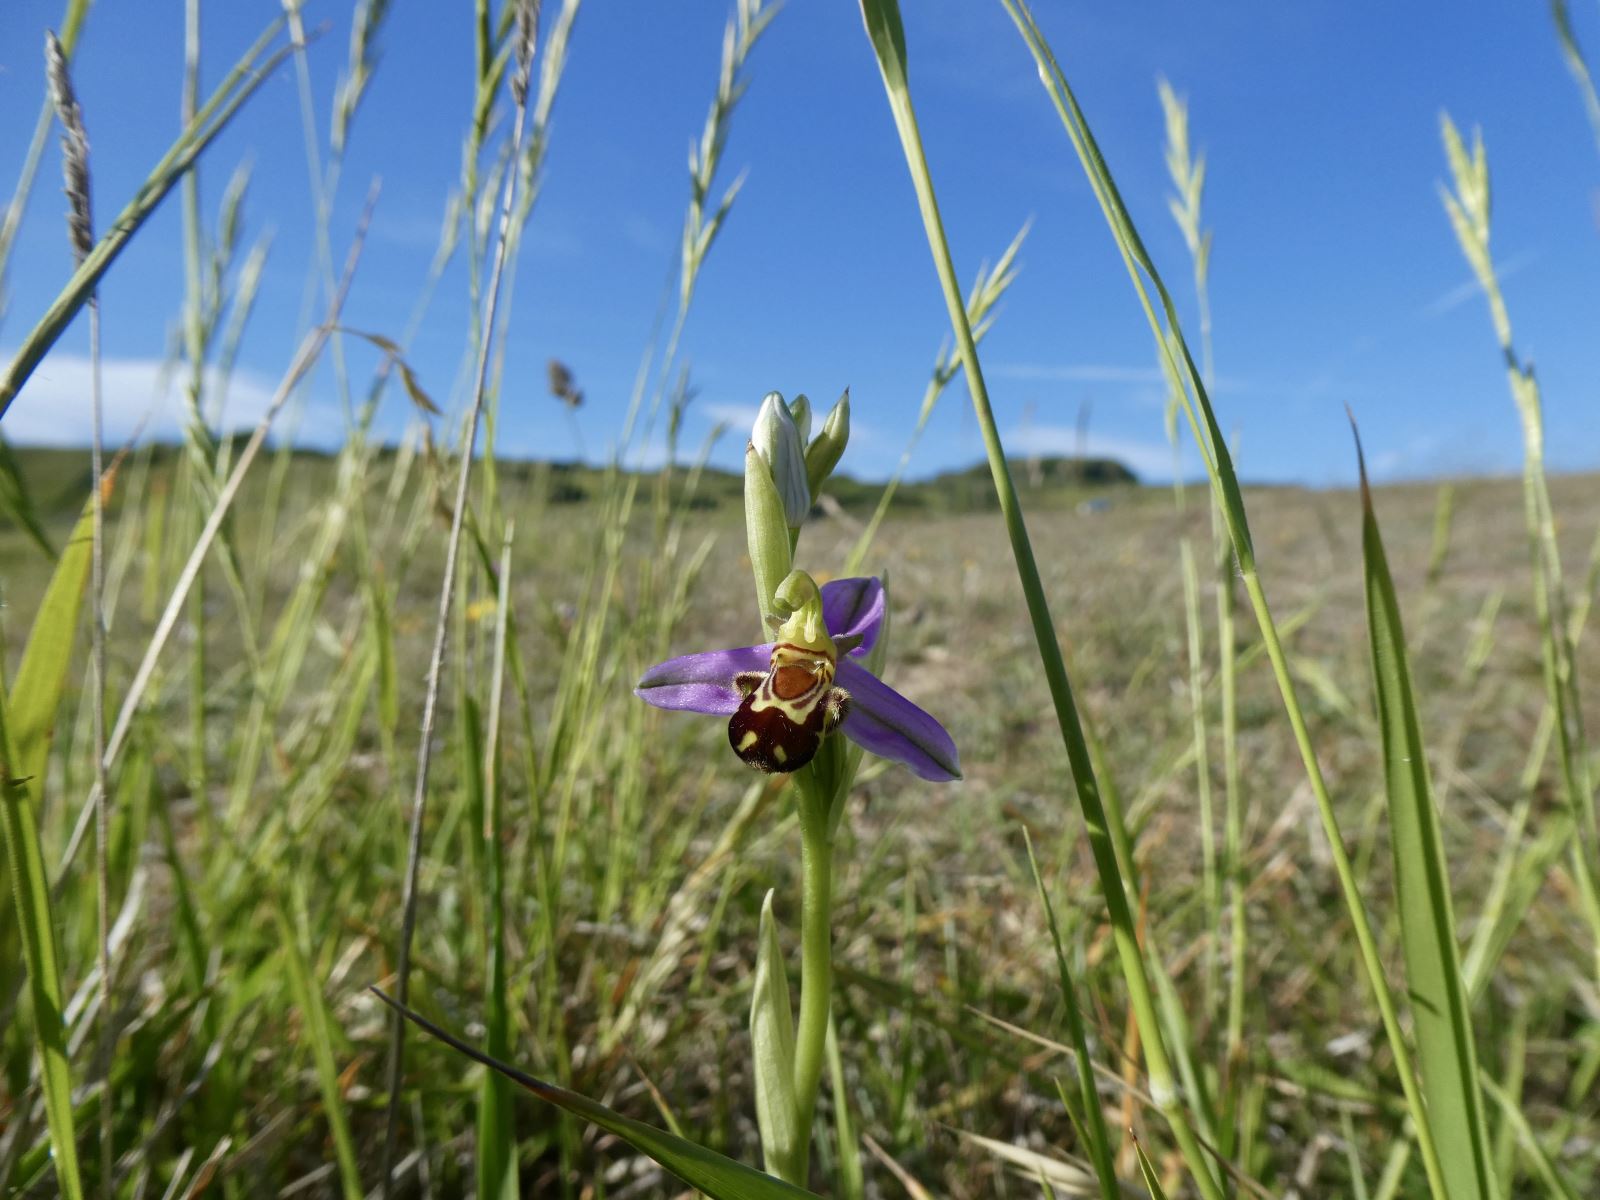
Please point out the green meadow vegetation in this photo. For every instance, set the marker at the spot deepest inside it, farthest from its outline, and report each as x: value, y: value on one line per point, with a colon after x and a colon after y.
x: 1271, y: 871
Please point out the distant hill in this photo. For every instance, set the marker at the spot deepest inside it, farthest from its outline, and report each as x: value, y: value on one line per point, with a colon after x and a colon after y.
x: 57, y: 480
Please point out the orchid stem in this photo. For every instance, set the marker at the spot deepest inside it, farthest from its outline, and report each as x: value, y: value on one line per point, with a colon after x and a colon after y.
x: 816, y: 957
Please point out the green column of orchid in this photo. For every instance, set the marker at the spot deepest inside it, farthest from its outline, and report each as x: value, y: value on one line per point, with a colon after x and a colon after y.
x: 782, y: 474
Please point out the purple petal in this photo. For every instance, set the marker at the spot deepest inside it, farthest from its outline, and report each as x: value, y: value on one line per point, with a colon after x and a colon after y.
x: 883, y: 721
x: 702, y: 683
x: 853, y: 606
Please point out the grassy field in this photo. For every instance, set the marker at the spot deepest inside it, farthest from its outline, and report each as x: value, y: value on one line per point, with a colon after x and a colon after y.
x: 1195, y: 990
x: 623, y: 820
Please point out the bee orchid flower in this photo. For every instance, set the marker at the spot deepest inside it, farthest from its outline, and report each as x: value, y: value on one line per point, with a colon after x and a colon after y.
x: 784, y: 697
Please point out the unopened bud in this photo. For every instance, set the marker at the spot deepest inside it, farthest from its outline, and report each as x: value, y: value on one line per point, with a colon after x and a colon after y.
x: 766, y: 532
x: 824, y: 453
x: 800, y: 410
x: 776, y: 438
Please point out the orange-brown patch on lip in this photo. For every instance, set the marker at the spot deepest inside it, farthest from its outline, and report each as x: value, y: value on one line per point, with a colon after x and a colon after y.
x: 790, y: 683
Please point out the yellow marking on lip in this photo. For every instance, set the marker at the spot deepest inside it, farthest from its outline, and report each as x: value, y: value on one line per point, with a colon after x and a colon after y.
x: 779, y: 753
x: 750, y: 738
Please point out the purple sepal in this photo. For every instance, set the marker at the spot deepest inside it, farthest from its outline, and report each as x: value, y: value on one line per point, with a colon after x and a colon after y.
x: 883, y: 721
x: 854, y: 606
x: 702, y: 683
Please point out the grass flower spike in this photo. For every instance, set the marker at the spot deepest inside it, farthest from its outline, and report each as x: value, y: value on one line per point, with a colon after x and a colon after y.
x: 784, y: 697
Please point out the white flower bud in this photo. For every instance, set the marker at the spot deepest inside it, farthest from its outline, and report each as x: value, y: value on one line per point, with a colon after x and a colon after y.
x: 776, y: 439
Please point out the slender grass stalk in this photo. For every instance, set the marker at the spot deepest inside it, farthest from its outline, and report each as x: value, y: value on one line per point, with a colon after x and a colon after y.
x: 80, y: 230
x: 888, y: 40
x: 1233, y: 796
x: 447, y: 590
x: 202, y: 460
x: 1444, y: 508
x: 497, y: 1144
x: 1468, y: 209
x: 1188, y: 174
x: 1184, y: 379
x: 1210, y: 882
x: 1544, y: 1166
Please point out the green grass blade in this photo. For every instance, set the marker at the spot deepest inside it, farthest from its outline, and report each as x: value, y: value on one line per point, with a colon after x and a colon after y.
x: 1097, y: 1137
x: 31, y: 894
x: 1445, y: 1051
x: 1185, y: 380
x: 314, y: 1012
x: 1147, y: 1169
x: 1555, y: 1185
x: 497, y: 1138
x: 851, y: 1183
x: 884, y: 30
x: 42, y: 676
x: 718, y: 1177
x: 1577, y: 64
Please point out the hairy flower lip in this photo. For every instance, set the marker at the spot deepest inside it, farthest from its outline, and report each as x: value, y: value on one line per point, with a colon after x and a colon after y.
x: 879, y: 718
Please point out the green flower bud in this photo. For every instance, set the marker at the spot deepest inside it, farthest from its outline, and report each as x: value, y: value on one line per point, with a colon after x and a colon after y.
x: 776, y: 439
x: 824, y: 453
x: 766, y: 533
x: 772, y: 1046
x: 800, y: 410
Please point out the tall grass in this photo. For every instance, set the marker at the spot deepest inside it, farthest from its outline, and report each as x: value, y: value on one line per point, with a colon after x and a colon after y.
x: 374, y: 724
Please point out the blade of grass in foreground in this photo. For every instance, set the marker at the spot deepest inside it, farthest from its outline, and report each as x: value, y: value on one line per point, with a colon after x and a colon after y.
x: 42, y: 678
x: 1422, y: 885
x: 718, y: 1177
x: 313, y: 1009
x: 1151, y: 1179
x: 31, y: 893
x: 497, y: 1136
x: 1185, y: 380
x: 1098, y: 1138
x: 887, y: 35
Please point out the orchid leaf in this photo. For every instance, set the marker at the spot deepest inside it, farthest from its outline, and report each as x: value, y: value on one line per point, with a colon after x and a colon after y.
x: 772, y: 1046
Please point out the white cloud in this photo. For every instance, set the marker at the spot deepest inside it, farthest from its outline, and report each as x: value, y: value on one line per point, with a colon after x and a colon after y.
x: 143, y: 396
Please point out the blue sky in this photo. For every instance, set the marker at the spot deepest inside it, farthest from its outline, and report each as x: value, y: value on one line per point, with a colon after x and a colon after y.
x: 1335, y: 278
